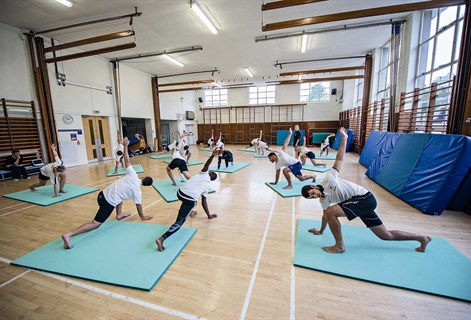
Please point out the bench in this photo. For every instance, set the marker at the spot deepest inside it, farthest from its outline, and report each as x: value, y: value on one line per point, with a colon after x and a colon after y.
x: 28, y: 156
x: 318, y: 137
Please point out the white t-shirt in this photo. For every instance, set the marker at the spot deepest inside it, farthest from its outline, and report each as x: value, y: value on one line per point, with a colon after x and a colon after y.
x: 125, y: 188
x: 48, y: 171
x: 210, y: 140
x: 219, y: 144
x: 262, y: 144
x: 173, y: 146
x: 285, y: 160
x: 120, y: 148
x: 337, y: 190
x: 177, y: 155
x: 326, y: 142
x: 254, y: 141
x: 305, y: 150
x: 197, y: 186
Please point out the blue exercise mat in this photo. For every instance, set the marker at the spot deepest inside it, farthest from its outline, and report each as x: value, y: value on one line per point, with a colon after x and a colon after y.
x: 261, y: 155
x: 311, y: 167
x: 43, y: 196
x: 190, y: 163
x: 169, y: 192
x: 235, y: 166
x: 297, y: 186
x: 440, y: 270
x: 122, y: 171
x: 325, y: 157
x: 161, y: 156
x: 248, y: 149
x: 119, y: 253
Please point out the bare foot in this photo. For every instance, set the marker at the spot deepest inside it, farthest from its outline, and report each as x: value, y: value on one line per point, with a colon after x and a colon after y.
x: 160, y: 244
x: 288, y: 187
x: 122, y: 216
x: 212, y: 216
x: 314, y: 231
x: 66, y: 239
x: 62, y: 191
x: 115, y: 172
x: 313, y: 178
x: 334, y: 249
x: 193, y: 213
x: 174, y: 184
x: 423, y: 244
x: 33, y: 189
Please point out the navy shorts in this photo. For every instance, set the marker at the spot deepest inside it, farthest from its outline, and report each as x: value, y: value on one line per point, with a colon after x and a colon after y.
x: 43, y: 177
x: 311, y: 155
x: 105, y: 209
x: 364, y: 207
x: 296, y: 168
x: 178, y: 163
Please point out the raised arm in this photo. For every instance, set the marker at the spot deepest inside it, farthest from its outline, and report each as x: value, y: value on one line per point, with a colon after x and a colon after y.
x: 285, y: 144
x: 261, y: 132
x: 120, y: 139
x: 208, y: 162
x: 127, y: 162
x: 54, y: 150
x: 341, y: 152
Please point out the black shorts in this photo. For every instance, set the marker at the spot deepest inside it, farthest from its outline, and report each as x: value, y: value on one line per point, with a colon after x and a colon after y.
x: 43, y: 177
x: 310, y: 155
x: 178, y: 163
x: 364, y: 207
x: 105, y: 209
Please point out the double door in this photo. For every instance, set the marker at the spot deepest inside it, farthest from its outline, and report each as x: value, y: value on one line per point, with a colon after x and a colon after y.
x: 97, y: 137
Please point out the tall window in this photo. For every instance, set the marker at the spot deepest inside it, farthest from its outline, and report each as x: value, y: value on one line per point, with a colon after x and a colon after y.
x: 359, y: 84
x: 439, y: 45
x: 262, y: 95
x: 215, y: 97
x: 315, y: 91
x: 384, y: 77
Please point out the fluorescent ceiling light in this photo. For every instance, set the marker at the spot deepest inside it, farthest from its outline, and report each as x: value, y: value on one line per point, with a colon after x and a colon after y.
x: 249, y: 72
x: 173, y: 60
x: 203, y: 17
x: 66, y: 3
x: 304, y: 43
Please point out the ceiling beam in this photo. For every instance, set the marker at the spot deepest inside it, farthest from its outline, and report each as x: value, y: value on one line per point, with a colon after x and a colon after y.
x: 182, y: 89
x: 147, y: 55
x: 193, y: 72
x: 106, y: 37
x: 185, y: 83
x: 316, y: 80
x: 286, y: 3
x: 92, y: 52
x: 296, y: 73
x: 408, y: 7
x: 281, y: 64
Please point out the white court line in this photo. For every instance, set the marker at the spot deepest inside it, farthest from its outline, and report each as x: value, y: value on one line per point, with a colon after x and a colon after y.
x: 13, y: 279
x: 5, y: 214
x: 18, y: 204
x: 109, y: 294
x: 257, y: 263
x: 292, y: 302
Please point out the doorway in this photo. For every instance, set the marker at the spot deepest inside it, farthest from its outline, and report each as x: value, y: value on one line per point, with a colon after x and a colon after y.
x: 97, y: 137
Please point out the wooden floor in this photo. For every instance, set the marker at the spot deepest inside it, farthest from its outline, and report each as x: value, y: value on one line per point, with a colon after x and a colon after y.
x: 236, y: 266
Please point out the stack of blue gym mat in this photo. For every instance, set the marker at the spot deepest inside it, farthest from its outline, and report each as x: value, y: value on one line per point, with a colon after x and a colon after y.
x: 431, y: 172
x: 338, y: 139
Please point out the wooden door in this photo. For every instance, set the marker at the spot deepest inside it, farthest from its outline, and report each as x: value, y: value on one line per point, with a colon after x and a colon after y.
x: 97, y: 137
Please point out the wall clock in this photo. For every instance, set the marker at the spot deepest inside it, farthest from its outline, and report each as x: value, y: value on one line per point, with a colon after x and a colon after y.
x: 67, y: 118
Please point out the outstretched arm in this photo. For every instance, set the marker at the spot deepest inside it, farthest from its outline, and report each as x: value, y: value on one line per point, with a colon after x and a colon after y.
x: 120, y: 139
x: 204, y: 203
x: 127, y: 162
x: 277, y: 176
x: 261, y: 132
x: 285, y: 144
x: 208, y: 162
x: 323, y: 226
x: 54, y: 150
x: 140, y: 212
x: 343, y: 145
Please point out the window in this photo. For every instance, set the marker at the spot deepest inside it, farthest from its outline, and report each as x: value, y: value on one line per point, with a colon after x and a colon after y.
x: 359, y: 84
x: 315, y: 91
x: 262, y: 95
x: 384, y: 76
x: 215, y: 97
x: 439, y: 45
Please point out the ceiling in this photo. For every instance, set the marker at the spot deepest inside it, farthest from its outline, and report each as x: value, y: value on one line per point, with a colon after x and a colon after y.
x: 167, y: 25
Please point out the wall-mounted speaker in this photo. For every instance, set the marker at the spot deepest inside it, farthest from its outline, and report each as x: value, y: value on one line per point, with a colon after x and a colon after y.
x: 334, y: 91
x: 200, y: 100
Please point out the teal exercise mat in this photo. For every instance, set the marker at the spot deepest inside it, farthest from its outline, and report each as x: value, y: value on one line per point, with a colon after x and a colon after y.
x: 440, y: 270
x: 311, y: 167
x: 297, y: 186
x: 122, y: 171
x: 169, y: 192
x: 261, y: 155
x: 190, y: 163
x: 43, y: 196
x: 324, y: 157
x: 119, y: 253
x: 161, y: 156
x: 247, y: 149
x: 205, y: 149
x: 233, y: 167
